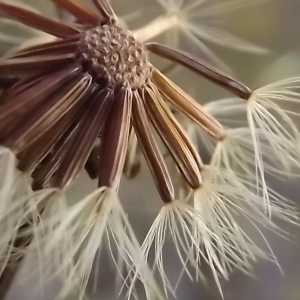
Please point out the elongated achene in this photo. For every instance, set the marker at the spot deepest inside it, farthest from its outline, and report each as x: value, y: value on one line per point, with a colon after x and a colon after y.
x: 90, y: 99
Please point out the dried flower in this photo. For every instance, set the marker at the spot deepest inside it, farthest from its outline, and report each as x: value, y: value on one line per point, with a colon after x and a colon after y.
x: 87, y: 99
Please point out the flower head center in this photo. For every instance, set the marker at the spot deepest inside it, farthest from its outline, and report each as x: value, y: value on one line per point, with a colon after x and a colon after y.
x: 113, y: 56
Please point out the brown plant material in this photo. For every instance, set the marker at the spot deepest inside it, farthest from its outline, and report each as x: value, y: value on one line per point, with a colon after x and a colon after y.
x: 95, y: 82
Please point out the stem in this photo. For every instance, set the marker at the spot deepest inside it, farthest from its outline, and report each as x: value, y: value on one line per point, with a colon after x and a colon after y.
x: 7, y: 278
x: 156, y: 27
x: 10, y: 272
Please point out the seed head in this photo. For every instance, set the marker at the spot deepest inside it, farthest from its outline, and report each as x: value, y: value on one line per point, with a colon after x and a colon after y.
x: 114, y: 57
x: 95, y: 80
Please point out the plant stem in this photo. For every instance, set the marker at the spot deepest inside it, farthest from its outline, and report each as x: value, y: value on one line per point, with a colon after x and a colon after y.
x: 7, y: 278
x: 9, y: 273
x: 156, y: 27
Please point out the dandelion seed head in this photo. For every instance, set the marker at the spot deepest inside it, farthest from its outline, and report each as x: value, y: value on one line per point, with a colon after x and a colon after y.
x: 90, y: 98
x: 111, y: 54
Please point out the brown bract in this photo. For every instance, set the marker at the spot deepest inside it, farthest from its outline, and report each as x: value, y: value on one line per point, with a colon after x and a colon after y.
x: 95, y: 81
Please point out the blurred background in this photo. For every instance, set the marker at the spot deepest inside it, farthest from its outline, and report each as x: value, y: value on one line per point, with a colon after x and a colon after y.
x: 272, y: 24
